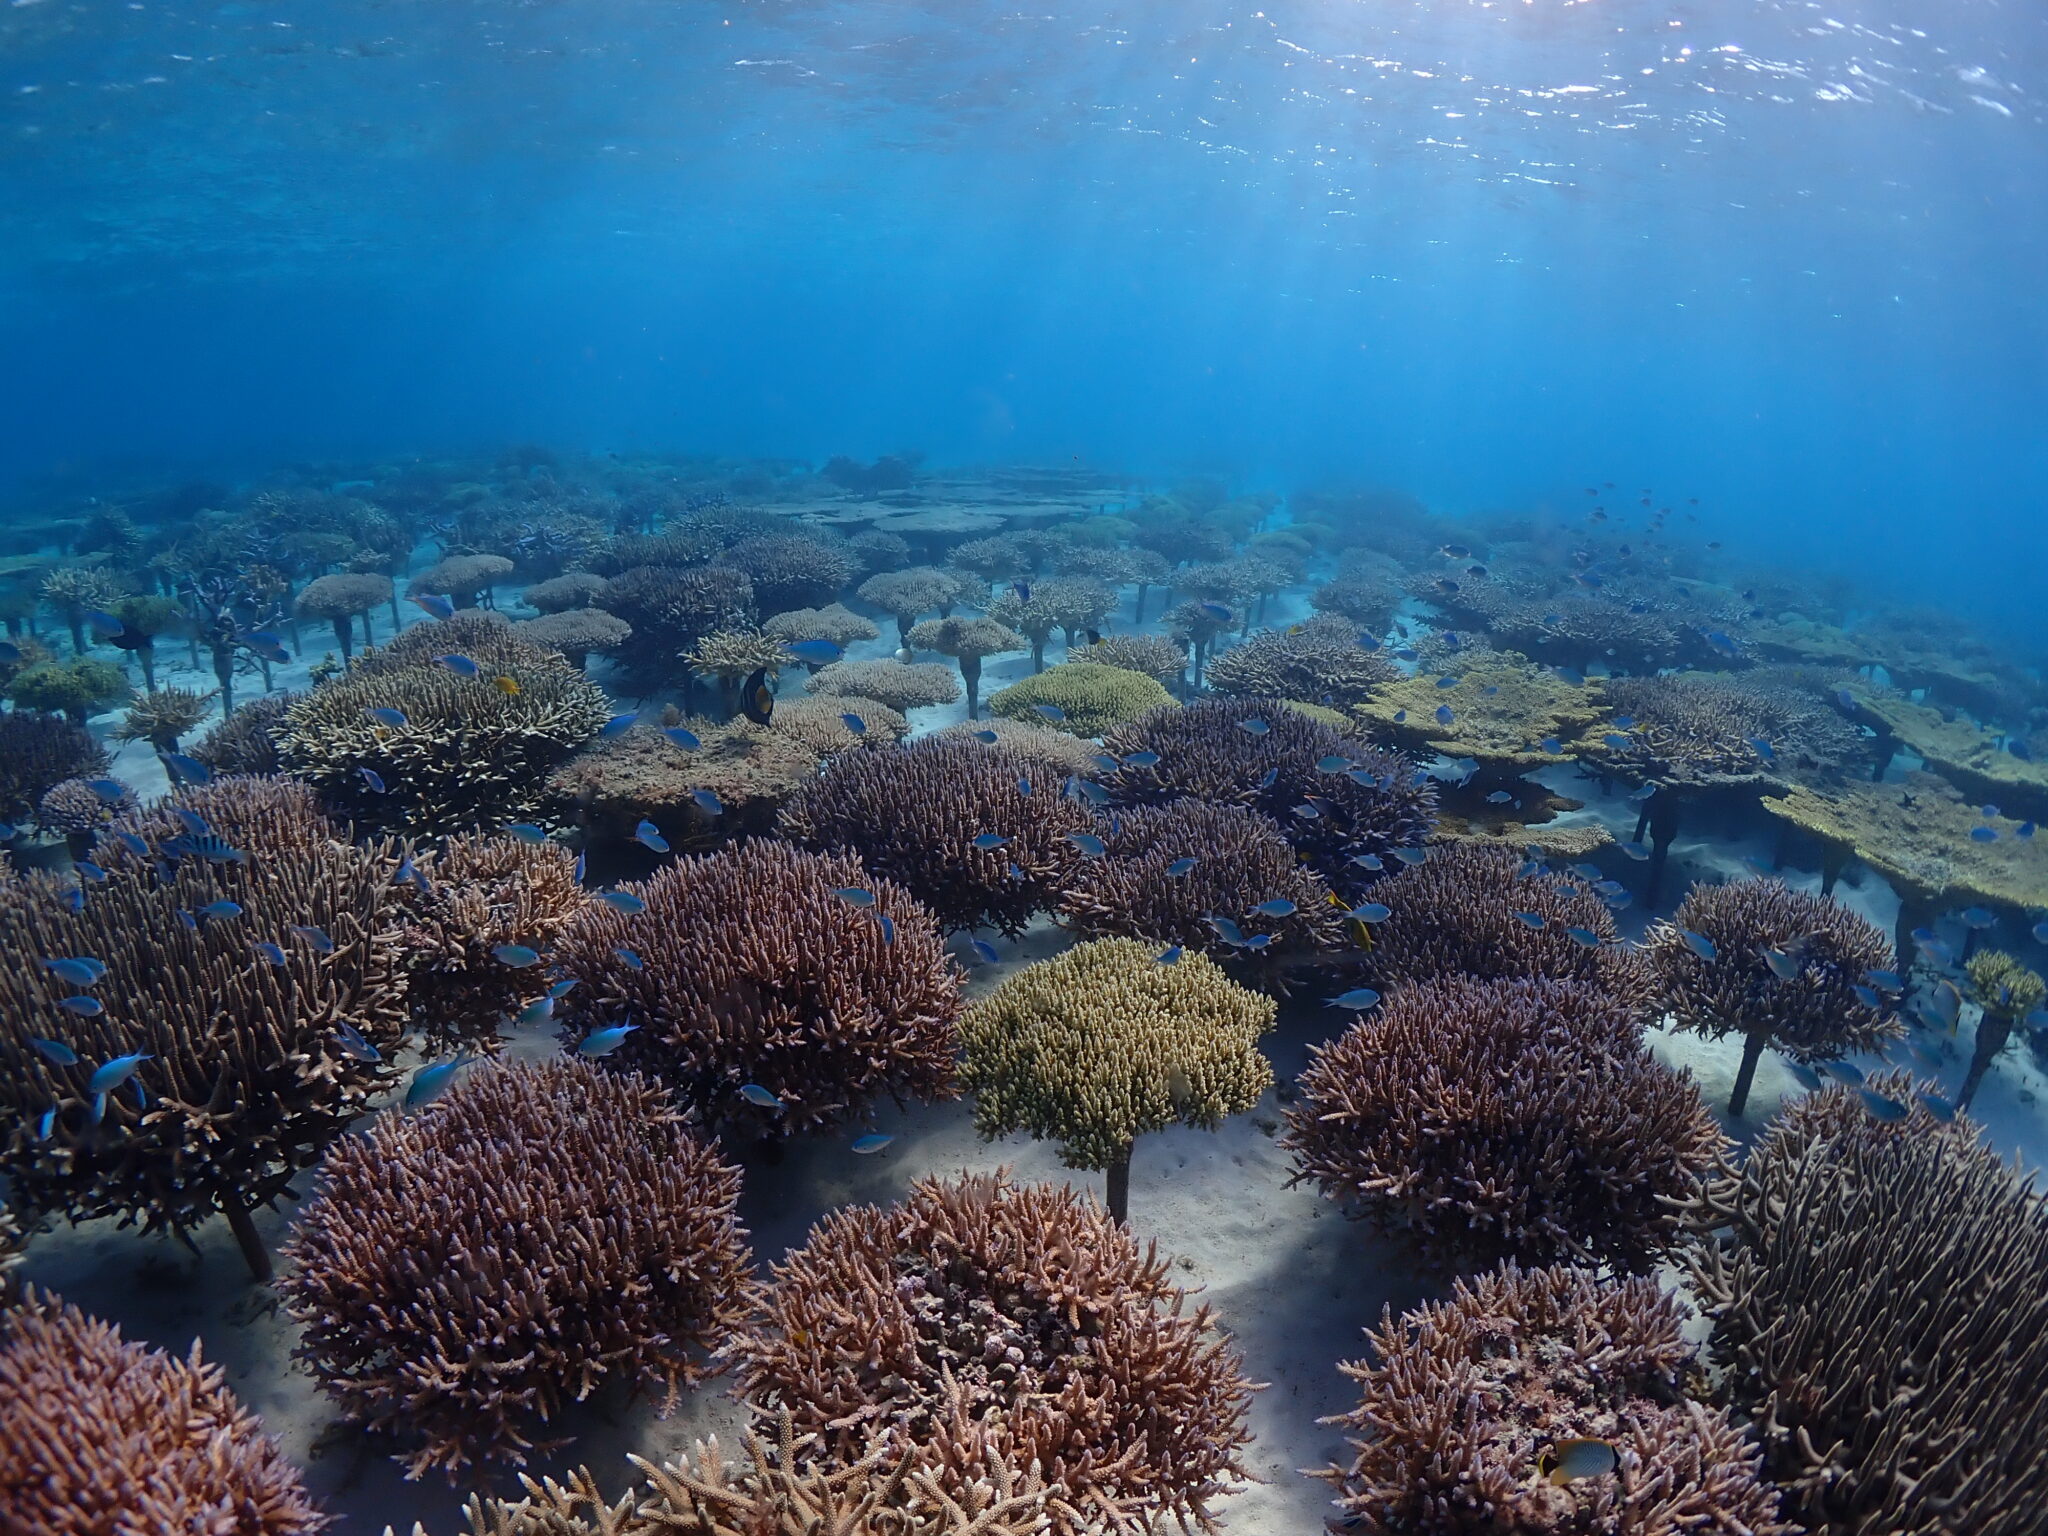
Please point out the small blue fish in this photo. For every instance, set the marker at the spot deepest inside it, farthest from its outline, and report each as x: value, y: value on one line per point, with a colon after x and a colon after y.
x: 459, y: 664
x: 1867, y: 996
x: 1989, y: 812
x: 112, y: 791
x: 518, y: 956
x: 1763, y: 749
x: 854, y: 895
x: 1050, y: 712
x: 888, y: 927
x: 1215, y: 611
x: 817, y: 653
x: 1258, y: 941
x: 99, y: 1108
x: 1444, y: 715
x: 1884, y: 981
x: 1141, y: 760
x: 1551, y: 745
x: 220, y: 911
x: 1254, y: 727
x: 1308, y: 811
x: 1936, y: 1106
x: 689, y: 741
x: 1983, y: 834
x: 55, y: 1052
x: 1635, y: 850
x: 317, y: 937
x: 89, y: 871
x: 623, y: 901
x: 707, y: 802
x: 755, y: 1094
x: 855, y: 724
x: 47, y: 1124
x: 387, y: 716
x: 539, y: 1011
x: 274, y: 953
x: 867, y: 1146
x: 984, y: 951
x: 630, y: 960
x: 81, y: 971
x: 618, y: 725
x: 185, y: 770
x: 1583, y: 936
x: 1843, y: 1072
x: 1368, y: 642
x: 2024, y: 830
x: 1023, y: 785
x: 1226, y: 930
x: 194, y: 824
x: 1091, y: 846
x: 1092, y: 792
x: 1807, y: 1078
x: 372, y: 780
x: 1169, y: 956
x: 1358, y: 999
x: 429, y: 1083
x: 1500, y: 797
x: 989, y: 840
x: 1179, y: 868
x: 111, y: 1075
x: 1279, y: 906
x: 1698, y: 943
x: 1528, y: 869
x: 1977, y: 917
x: 648, y: 835
x: 103, y: 624
x: 436, y: 605
x: 1616, y: 741
x: 1371, y: 861
x: 354, y: 1045
x: 1783, y: 966
x: 1531, y: 919
x: 987, y: 738
x: 1370, y: 912
x: 602, y: 1042
x: 1333, y: 764
x: 131, y: 842
x: 1269, y: 778
x: 1412, y: 856
x: 562, y: 989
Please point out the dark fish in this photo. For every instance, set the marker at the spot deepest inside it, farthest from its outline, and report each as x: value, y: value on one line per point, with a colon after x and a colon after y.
x: 988, y: 737
x: 1447, y: 681
x: 185, y: 770
x: 1022, y: 589
x: 1023, y: 785
x: 757, y: 703
x: 1215, y: 611
x: 854, y: 723
x: 1570, y: 1460
x: 112, y: 791
x: 1368, y: 642
x: 1444, y: 715
x: 103, y: 624
x: 1983, y: 834
x: 56, y: 1052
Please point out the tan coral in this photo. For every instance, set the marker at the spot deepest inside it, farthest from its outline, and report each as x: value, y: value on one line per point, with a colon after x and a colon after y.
x: 901, y: 685
x: 576, y: 632
x: 642, y: 775
x: 1089, y: 699
x: 817, y: 722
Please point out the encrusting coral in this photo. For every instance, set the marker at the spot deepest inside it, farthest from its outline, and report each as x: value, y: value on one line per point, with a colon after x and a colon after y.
x: 1089, y: 699
x: 1803, y: 1002
x: 469, y: 752
x: 912, y: 814
x: 340, y: 599
x: 39, y: 752
x: 617, y: 782
x: 1466, y: 1400
x: 983, y: 1317
x: 1515, y: 1119
x: 462, y: 1273
x: 903, y: 686
x: 1320, y: 661
x: 753, y: 971
x: 101, y: 1437
x: 967, y: 641
x: 1878, y: 1290
x: 1105, y: 1042
x: 1241, y: 861
x: 244, y: 1074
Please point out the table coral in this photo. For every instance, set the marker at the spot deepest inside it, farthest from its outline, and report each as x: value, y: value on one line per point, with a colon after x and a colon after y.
x: 617, y: 782
x: 902, y: 686
x: 1090, y: 698
x: 967, y: 641
x: 1320, y: 661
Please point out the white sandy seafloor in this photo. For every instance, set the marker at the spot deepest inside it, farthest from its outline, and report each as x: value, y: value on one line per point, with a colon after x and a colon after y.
x: 1287, y: 1275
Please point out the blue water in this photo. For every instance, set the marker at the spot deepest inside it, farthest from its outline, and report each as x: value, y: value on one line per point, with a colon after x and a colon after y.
x: 1781, y: 257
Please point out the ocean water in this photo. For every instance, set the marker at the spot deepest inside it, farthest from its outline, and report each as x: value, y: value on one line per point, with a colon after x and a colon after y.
x: 1669, y: 304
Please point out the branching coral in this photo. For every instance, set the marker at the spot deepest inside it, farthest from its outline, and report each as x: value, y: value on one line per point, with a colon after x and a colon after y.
x: 39, y: 752
x: 1465, y: 1398
x: 1879, y: 1299
x: 900, y: 685
x: 163, y: 715
x: 339, y: 599
x: 1066, y: 603
x: 1259, y: 753
x: 1490, y: 1120
x: 464, y: 1273
x: 1153, y: 655
x: 2005, y: 991
x: 616, y: 783
x: 912, y: 815
x: 1462, y: 914
x: 76, y: 590
x: 245, y: 1075
x: 985, y: 1318
x: 817, y: 722
x: 100, y: 1436
x: 753, y: 971
x: 77, y: 689
x: 908, y: 594
x: 670, y: 610
x: 575, y: 632
x: 1320, y: 661
x: 791, y: 570
x: 245, y: 742
x: 1242, y: 861
x: 967, y: 641
x: 1090, y: 699
x: 732, y: 655
x: 471, y: 752
x: 1784, y: 972
x: 1365, y: 591
x: 76, y: 810
x: 1103, y: 1043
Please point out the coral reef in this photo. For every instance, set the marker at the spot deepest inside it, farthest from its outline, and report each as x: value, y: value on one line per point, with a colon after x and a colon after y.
x: 903, y: 686
x: 1153, y: 655
x: 1502, y: 711
x: 1464, y: 1398
x: 75, y: 809
x: 729, y: 656
x: 429, y: 1316
x: 617, y: 782
x: 246, y: 742
x: 560, y: 594
x: 906, y: 595
x: 77, y: 689
x: 983, y: 1317
x: 1320, y: 661
x: 1044, y: 752
x: 1365, y: 590
x: 575, y: 632
x: 1066, y: 603
x: 1879, y: 1298
x: 838, y: 624
x: 967, y: 641
x: 340, y: 599
x: 1090, y: 698
x: 467, y: 579
x: 471, y: 752
x: 671, y: 610
x: 1969, y: 756
x: 100, y: 1437
x: 1812, y: 1015
x: 39, y: 752
x: 2005, y: 991
x: 162, y: 716
x: 912, y: 814
x: 791, y: 570
x: 817, y: 722
x: 1103, y: 1043
x: 753, y: 971
x: 76, y: 590
x: 1513, y: 1119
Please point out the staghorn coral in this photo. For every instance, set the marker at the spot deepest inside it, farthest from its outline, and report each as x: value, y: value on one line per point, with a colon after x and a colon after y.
x: 907, y: 594
x: 431, y: 1317
x: 903, y: 686
x: 100, y: 1437
x: 1243, y: 860
x: 1154, y: 655
x: 245, y: 742
x: 1090, y: 698
x: 467, y: 579
x: 791, y: 570
x: 1320, y: 661
x: 730, y: 655
x: 1513, y: 1119
x: 1879, y: 1300
x: 911, y: 815
x: 575, y: 632
x: 753, y: 971
x: 816, y: 722
x: 1044, y: 752
x: 1066, y: 603
x: 837, y: 623
x: 984, y: 1318
x: 339, y: 599
x: 75, y: 809
x: 1813, y: 1016
x: 77, y: 689
x: 671, y: 610
x: 967, y: 641
x: 1332, y: 819
x: 1464, y: 1396
x: 617, y: 782
x: 39, y: 752
x: 1456, y: 915
x: 1103, y: 1043
x: 163, y: 715
x: 12, y: 1242
x: 470, y: 755
x: 2005, y: 991
x: 560, y: 594
x: 246, y: 1078
x: 76, y: 590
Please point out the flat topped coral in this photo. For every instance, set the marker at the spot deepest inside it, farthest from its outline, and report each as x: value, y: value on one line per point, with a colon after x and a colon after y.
x: 617, y: 782
x: 1050, y: 754
x: 671, y: 609
x: 818, y: 722
x: 540, y: 1229
x: 1695, y: 731
x: 903, y: 686
x: 791, y: 570
x: 575, y: 632
x: 467, y: 579
x: 838, y: 624
x: 1086, y: 699
x: 340, y: 599
x: 1320, y: 661
x: 983, y: 1316
x: 1965, y: 753
x: 967, y: 641
x: 559, y: 594
x: 162, y: 716
x: 1465, y: 1400
x: 101, y: 1436
x: 1154, y: 655
x: 2005, y: 991
x: 1500, y: 713
x: 1521, y: 1119
x: 907, y: 595
x: 752, y: 970
x: 463, y: 751
x: 1067, y: 603
x: 1104, y: 1043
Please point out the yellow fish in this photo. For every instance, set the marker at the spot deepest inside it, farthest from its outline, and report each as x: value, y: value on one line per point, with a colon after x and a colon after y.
x: 1361, y: 931
x: 508, y: 686
x: 1570, y: 1459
